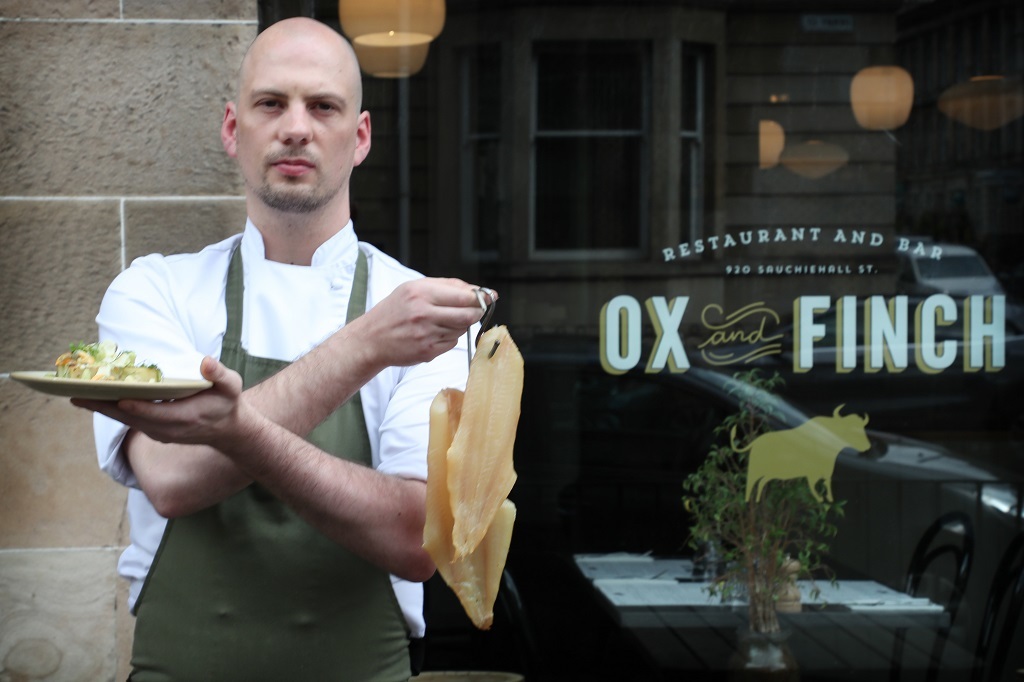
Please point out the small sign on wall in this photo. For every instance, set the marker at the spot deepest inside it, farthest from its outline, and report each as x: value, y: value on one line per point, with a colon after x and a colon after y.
x: 827, y: 23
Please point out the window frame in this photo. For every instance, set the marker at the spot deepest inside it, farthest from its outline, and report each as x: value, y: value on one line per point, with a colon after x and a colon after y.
x: 665, y: 30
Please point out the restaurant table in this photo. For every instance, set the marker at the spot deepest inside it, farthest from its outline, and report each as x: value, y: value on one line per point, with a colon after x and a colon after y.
x: 845, y: 633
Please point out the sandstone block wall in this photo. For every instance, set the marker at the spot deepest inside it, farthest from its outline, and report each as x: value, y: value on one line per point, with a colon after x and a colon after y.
x: 109, y: 149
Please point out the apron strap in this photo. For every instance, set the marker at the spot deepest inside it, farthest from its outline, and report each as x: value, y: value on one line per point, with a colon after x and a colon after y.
x: 233, y: 299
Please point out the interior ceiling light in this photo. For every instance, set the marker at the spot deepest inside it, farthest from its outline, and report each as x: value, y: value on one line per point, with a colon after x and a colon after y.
x: 814, y: 159
x: 771, y: 140
x: 391, y: 23
x: 391, y: 62
x: 984, y: 102
x: 881, y: 97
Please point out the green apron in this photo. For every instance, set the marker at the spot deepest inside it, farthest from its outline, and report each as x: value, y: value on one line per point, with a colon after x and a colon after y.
x: 246, y: 590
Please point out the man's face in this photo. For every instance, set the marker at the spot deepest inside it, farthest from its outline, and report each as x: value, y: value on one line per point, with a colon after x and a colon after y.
x: 296, y: 128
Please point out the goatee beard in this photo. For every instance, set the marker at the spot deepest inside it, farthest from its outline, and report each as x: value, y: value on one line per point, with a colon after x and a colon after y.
x: 299, y: 199
x: 291, y: 202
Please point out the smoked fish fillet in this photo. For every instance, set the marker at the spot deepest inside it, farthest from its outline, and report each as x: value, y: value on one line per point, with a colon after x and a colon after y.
x: 475, y: 573
x: 480, y: 469
x: 475, y: 578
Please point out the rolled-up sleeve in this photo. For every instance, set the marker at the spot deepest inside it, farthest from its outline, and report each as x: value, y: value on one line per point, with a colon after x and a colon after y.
x: 404, y: 423
x: 109, y: 436
x: 405, y: 426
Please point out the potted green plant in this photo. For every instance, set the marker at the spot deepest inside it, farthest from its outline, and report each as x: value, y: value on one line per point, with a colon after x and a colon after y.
x: 766, y: 533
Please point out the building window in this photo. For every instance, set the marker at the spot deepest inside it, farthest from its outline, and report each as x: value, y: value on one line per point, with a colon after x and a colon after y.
x: 481, y: 177
x: 694, y: 173
x: 573, y: 124
x: 590, y: 145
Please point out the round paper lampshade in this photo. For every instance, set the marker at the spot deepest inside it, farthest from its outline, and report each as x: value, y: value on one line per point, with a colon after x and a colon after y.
x: 771, y: 140
x: 392, y: 62
x: 984, y: 102
x: 814, y: 159
x: 881, y: 97
x: 389, y: 23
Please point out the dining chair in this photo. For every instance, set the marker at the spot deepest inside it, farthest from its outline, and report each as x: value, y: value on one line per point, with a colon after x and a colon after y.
x: 1001, y: 615
x: 526, y: 643
x: 452, y: 642
x: 937, y: 543
x: 455, y: 647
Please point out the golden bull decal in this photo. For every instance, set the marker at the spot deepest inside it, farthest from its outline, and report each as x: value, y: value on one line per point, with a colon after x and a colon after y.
x: 808, y: 451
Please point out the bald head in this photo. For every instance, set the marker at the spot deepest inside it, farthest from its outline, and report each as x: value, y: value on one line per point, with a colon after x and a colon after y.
x: 297, y: 129
x: 303, y: 41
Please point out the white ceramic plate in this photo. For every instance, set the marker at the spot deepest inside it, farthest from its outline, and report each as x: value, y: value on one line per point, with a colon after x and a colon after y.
x: 168, y: 389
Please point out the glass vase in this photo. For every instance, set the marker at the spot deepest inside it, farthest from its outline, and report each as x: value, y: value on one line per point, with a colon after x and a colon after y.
x: 763, y: 656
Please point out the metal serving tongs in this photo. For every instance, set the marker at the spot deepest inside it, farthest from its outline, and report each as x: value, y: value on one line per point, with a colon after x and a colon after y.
x: 486, y: 299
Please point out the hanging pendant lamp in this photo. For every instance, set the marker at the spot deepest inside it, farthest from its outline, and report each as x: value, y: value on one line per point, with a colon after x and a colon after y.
x: 814, y: 159
x: 984, y: 102
x: 391, y: 23
x: 771, y: 140
x: 391, y: 62
x: 881, y: 97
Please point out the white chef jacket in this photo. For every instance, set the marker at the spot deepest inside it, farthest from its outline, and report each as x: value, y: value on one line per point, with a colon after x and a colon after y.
x: 171, y: 311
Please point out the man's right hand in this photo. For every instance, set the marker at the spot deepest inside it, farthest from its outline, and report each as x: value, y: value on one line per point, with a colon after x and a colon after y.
x: 420, y: 320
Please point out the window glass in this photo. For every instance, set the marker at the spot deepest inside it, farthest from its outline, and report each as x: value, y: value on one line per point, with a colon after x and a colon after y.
x: 481, y: 149
x: 692, y: 89
x: 483, y: 89
x: 590, y: 147
x: 586, y: 86
x: 586, y: 199
x: 675, y: 198
x: 693, y: 171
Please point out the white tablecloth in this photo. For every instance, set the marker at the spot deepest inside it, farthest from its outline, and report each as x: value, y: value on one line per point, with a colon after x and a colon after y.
x: 638, y: 580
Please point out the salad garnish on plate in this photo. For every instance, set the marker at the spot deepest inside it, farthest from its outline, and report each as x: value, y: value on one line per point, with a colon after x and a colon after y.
x: 104, y: 361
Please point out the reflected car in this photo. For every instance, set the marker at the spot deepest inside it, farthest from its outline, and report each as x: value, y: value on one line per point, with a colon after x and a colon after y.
x: 601, y: 458
x: 938, y: 268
